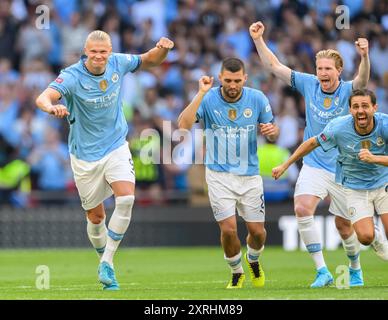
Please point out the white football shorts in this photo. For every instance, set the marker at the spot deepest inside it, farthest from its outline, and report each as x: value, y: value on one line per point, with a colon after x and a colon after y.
x: 320, y: 183
x: 363, y: 203
x: 93, y: 179
x: 228, y: 191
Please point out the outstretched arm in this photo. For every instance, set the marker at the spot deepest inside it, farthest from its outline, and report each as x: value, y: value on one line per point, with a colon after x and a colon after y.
x: 269, y: 60
x: 156, y: 56
x: 188, y: 116
x: 305, y: 148
x: 47, y: 102
x: 366, y: 156
x: 362, y: 78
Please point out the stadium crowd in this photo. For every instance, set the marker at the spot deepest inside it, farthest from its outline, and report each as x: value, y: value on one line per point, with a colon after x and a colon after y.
x: 34, y: 161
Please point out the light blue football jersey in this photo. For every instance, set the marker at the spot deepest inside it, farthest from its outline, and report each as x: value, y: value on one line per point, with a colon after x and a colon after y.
x: 231, y: 130
x: 97, y: 122
x: 321, y: 108
x: 350, y: 170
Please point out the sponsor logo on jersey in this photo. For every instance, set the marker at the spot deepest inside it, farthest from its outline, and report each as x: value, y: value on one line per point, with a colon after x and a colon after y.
x: 247, y: 113
x: 115, y: 77
x: 380, y: 141
x: 103, y: 85
x: 336, y: 101
x: 268, y: 108
x: 232, y: 114
x: 323, y: 137
x: 58, y: 80
x: 327, y: 102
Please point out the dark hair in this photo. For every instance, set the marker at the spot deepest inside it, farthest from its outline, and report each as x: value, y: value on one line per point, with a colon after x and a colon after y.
x: 363, y: 93
x: 232, y: 65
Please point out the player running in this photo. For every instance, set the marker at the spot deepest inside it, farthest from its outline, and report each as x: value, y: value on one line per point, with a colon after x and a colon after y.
x: 361, y: 167
x: 100, y: 157
x: 231, y: 114
x: 326, y: 96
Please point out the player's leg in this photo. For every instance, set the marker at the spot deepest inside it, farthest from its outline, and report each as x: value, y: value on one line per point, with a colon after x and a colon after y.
x: 251, y: 208
x: 96, y: 228
x: 120, y: 179
x: 120, y: 219
x: 223, y: 203
x: 255, y: 246
x: 384, y: 220
x: 350, y: 243
x: 311, y: 187
x: 380, y: 197
x: 361, y: 208
x: 352, y: 249
x: 232, y: 250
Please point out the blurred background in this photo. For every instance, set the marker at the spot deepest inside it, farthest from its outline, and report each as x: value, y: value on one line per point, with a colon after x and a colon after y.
x: 36, y: 182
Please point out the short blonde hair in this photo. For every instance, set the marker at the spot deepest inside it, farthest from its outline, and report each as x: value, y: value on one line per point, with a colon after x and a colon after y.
x: 331, y: 54
x: 98, y: 35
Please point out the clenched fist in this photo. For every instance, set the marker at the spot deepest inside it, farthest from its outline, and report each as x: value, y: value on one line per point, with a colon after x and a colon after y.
x: 362, y: 46
x: 59, y: 111
x: 165, y: 43
x: 256, y: 30
x: 205, y: 83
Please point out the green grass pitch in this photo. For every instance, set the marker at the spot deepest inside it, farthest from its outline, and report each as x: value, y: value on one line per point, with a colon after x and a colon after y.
x: 179, y: 273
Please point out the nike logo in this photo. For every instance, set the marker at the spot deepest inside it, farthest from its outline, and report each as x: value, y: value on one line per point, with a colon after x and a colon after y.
x: 217, y: 112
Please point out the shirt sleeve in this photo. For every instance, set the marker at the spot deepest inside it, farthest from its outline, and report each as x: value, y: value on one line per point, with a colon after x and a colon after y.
x: 302, y: 81
x: 265, y: 114
x: 327, y: 138
x: 64, y: 84
x: 128, y: 62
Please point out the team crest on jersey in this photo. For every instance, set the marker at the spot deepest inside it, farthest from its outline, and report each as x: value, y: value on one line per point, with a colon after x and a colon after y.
x: 366, y: 144
x: 380, y: 141
x: 327, y: 102
x: 232, y: 114
x: 103, y: 85
x: 115, y: 77
x: 247, y: 113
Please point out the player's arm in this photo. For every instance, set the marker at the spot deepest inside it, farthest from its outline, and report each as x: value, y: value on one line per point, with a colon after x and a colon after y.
x: 304, y: 149
x: 362, y: 78
x: 270, y: 131
x: 156, y: 56
x: 366, y: 156
x: 188, y: 116
x: 47, y: 102
x: 270, y: 61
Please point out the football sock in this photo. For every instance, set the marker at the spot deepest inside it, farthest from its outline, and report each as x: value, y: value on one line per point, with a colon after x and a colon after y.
x: 352, y: 249
x: 97, y: 235
x: 235, y: 263
x: 310, y: 237
x: 118, y: 224
x: 253, y: 254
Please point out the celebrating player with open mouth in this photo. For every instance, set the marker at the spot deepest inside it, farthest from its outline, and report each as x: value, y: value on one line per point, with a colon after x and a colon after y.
x: 326, y: 98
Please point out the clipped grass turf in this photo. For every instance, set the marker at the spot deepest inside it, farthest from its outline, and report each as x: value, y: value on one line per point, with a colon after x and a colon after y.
x: 179, y: 273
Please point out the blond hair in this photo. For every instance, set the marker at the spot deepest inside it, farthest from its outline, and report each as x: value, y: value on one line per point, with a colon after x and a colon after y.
x: 331, y: 54
x: 98, y: 35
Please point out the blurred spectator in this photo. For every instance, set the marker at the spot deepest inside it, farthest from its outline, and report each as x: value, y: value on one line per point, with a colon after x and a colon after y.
x: 270, y: 156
